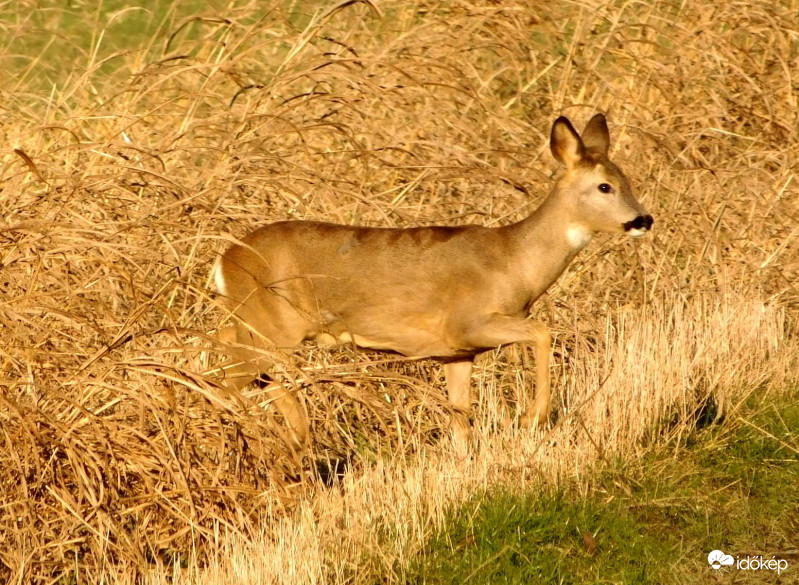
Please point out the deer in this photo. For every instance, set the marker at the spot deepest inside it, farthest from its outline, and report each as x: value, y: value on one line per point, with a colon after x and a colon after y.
x: 442, y: 292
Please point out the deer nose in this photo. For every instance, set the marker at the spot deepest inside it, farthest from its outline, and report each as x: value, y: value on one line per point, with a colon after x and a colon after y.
x: 641, y: 223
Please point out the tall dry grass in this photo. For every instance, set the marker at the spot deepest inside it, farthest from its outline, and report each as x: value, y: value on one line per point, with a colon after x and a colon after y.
x: 125, y: 172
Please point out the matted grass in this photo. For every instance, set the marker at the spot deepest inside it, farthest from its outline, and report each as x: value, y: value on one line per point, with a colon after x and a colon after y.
x: 138, y: 144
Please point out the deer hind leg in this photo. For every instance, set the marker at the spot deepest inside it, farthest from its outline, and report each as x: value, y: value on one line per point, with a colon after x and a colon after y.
x: 493, y: 330
x: 293, y: 413
x: 251, y: 361
x: 458, y: 375
x: 241, y: 371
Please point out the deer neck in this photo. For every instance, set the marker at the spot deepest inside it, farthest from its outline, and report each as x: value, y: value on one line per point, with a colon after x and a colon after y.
x: 546, y: 242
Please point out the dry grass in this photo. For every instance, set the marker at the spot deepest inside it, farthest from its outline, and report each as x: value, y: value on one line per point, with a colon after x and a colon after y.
x: 124, y: 173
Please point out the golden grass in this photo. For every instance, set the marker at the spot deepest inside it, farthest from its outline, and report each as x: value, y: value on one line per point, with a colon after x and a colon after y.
x: 123, y: 174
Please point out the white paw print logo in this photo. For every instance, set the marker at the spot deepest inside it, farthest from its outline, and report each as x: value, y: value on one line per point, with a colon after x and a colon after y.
x: 718, y: 559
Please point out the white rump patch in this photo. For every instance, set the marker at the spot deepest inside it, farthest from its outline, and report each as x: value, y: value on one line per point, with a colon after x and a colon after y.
x: 219, y: 280
x: 578, y: 236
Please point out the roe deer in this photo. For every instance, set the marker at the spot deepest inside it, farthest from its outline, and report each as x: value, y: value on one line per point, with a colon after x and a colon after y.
x: 440, y: 291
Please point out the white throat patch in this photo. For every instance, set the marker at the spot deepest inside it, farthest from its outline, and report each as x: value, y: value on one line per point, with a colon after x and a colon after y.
x: 577, y: 236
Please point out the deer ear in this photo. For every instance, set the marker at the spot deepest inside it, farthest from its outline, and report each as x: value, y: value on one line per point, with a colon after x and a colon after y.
x: 565, y: 143
x: 596, y: 137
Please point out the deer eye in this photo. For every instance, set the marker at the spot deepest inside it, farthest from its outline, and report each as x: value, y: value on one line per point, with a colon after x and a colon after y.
x: 605, y: 188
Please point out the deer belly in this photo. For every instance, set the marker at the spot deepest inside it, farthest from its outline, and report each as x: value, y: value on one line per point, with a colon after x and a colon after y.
x: 411, y: 334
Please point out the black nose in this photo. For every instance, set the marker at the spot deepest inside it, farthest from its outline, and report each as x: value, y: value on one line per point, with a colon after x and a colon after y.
x: 642, y: 222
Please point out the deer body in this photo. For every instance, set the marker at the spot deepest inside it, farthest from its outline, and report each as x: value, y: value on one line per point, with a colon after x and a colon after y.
x: 442, y: 292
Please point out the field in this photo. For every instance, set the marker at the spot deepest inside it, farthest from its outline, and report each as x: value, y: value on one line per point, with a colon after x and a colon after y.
x: 137, y: 143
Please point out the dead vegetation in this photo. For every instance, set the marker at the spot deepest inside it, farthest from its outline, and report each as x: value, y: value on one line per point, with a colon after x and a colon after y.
x: 124, y: 173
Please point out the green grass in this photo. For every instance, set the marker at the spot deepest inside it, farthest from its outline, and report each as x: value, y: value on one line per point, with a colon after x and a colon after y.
x: 733, y: 488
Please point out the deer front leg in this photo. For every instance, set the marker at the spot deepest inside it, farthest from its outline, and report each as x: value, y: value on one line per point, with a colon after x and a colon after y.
x: 458, y: 375
x: 494, y: 330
